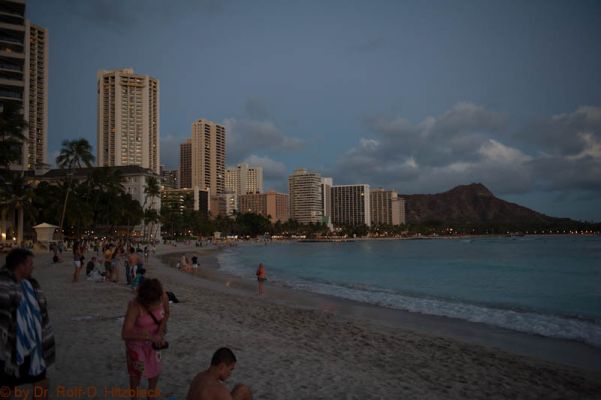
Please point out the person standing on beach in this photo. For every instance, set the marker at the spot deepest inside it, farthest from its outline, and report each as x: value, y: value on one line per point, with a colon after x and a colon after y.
x: 131, y: 264
x: 77, y: 260
x: 26, y: 339
x: 108, y: 262
x: 261, y: 277
x: 144, y: 331
x: 208, y: 385
x: 185, y: 264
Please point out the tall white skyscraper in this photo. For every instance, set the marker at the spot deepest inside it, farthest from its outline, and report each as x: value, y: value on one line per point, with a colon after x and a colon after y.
x: 304, y: 188
x: 387, y: 208
x: 128, y: 120
x: 244, y: 179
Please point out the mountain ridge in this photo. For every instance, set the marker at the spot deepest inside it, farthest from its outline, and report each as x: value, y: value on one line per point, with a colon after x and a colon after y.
x: 472, y: 204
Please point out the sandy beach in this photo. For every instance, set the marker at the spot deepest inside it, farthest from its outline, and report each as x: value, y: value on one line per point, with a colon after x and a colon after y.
x: 289, y: 345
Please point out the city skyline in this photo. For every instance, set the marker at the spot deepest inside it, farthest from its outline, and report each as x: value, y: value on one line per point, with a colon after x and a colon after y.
x: 412, y: 97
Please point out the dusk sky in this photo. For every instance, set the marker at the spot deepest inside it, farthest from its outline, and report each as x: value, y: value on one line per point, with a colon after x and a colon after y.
x: 415, y: 96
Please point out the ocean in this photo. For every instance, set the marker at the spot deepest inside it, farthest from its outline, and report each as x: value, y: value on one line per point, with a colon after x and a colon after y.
x: 545, y: 285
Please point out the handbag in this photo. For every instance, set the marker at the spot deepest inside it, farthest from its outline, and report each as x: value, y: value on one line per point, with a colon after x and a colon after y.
x: 165, y: 344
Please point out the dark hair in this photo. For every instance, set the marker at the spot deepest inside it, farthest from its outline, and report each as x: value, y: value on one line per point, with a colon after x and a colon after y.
x: 223, y: 355
x: 149, y: 292
x: 17, y: 257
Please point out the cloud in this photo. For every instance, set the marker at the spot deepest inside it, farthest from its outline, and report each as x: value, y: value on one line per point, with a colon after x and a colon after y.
x: 272, y: 169
x: 122, y: 16
x: 568, y: 134
x: 275, y: 173
x: 248, y: 136
x: 496, y: 152
x: 438, y: 141
x: 468, y: 143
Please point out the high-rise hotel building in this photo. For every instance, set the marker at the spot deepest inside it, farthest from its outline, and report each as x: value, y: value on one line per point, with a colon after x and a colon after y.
x: 185, y: 164
x: 128, y: 120
x: 271, y: 204
x: 24, y: 78
x: 304, y: 189
x: 36, y: 152
x: 387, y: 208
x: 208, y: 161
x: 351, y: 205
x: 244, y: 179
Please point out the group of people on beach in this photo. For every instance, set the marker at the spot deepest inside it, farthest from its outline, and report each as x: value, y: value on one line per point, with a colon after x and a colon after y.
x: 114, y: 256
x: 27, y: 344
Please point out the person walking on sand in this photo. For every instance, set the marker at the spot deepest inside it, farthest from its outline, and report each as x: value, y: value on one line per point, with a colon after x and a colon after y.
x: 261, y: 278
x: 131, y: 265
x: 144, y: 331
x: 208, y: 384
x: 26, y: 340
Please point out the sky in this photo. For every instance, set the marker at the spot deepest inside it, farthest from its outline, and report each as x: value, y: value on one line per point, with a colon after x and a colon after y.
x: 414, y: 96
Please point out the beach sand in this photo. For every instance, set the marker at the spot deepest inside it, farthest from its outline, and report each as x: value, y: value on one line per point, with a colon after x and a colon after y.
x: 288, y: 345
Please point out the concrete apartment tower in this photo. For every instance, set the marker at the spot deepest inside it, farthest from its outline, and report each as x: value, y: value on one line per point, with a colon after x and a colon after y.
x: 128, y: 120
x: 208, y: 162
x: 326, y: 200
x: 271, y: 204
x: 36, y: 152
x: 24, y: 79
x: 351, y: 205
x: 387, y: 208
x: 304, y: 189
x: 185, y: 165
x: 244, y: 179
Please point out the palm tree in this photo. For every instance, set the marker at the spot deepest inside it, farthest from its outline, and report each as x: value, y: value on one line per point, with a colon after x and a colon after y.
x: 72, y: 155
x: 17, y: 194
x: 12, y: 127
x: 152, y: 191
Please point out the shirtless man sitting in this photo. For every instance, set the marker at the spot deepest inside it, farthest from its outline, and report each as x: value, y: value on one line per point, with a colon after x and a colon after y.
x: 208, y: 385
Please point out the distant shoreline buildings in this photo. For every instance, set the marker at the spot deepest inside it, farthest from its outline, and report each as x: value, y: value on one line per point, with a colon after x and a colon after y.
x: 128, y: 136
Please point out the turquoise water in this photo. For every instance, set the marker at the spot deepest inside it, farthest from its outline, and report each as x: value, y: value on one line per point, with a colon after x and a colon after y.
x: 548, y: 285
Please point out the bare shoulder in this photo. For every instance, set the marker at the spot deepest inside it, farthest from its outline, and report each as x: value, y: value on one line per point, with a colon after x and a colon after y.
x: 203, y: 389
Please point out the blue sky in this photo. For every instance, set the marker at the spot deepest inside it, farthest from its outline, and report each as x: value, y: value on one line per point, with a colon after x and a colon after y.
x: 409, y: 95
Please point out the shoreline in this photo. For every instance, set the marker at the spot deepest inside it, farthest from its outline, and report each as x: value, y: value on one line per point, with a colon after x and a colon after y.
x: 557, y: 350
x: 286, y: 348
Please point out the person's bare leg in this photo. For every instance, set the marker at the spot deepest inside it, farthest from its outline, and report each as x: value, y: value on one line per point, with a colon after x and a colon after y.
x: 241, y: 392
x: 152, y: 384
x: 134, y: 382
